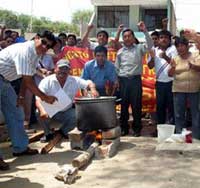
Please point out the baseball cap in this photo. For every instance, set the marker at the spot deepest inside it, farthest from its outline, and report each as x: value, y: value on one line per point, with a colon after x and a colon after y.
x: 63, y: 63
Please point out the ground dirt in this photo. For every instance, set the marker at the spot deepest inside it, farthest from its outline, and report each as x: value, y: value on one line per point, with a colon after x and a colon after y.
x: 136, y: 165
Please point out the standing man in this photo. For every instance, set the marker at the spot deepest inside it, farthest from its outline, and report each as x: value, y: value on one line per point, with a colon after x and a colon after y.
x: 62, y: 81
x: 71, y: 40
x: 63, y: 38
x: 155, y: 37
x: 102, y: 38
x: 19, y: 60
x: 101, y: 72
x: 129, y: 70
x: 161, y: 58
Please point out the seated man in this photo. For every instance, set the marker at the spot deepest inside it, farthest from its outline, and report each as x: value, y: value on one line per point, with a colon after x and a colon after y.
x: 70, y: 85
x: 101, y: 72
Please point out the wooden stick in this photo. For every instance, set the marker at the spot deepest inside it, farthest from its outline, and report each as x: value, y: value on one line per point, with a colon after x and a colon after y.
x: 84, y: 158
x: 35, y: 137
x: 48, y: 147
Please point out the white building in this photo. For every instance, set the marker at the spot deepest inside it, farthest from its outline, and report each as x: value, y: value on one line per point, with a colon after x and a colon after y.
x: 111, y: 13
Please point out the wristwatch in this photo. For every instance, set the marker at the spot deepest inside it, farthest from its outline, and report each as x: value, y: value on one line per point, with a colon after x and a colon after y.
x: 20, y: 97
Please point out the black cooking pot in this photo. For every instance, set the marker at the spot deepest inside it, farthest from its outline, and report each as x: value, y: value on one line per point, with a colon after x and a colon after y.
x: 95, y: 113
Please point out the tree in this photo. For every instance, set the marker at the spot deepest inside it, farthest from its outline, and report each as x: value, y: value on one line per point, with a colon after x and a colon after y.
x: 8, y: 18
x: 22, y: 21
x: 81, y: 17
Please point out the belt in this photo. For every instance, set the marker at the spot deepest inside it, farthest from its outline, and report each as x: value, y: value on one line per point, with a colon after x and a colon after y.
x: 131, y: 77
x: 2, y: 78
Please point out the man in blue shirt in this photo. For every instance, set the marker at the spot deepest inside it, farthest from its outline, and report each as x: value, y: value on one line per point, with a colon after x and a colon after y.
x: 101, y: 72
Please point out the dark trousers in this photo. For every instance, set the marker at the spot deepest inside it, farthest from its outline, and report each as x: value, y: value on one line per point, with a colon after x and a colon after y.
x: 164, y: 102
x: 131, y: 94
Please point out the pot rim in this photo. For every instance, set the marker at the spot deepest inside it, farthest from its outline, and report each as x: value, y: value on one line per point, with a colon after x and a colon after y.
x: 95, y: 99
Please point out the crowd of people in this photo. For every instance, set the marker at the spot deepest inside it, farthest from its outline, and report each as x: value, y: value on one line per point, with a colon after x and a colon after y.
x: 36, y: 68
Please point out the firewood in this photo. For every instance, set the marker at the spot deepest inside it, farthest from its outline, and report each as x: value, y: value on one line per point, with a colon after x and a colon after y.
x: 85, y: 157
x: 35, y: 137
x: 68, y: 174
x: 48, y: 147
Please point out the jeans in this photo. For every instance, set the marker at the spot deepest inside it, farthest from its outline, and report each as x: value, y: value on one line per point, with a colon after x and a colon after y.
x: 164, y: 103
x: 66, y: 118
x: 14, y: 116
x: 180, y: 104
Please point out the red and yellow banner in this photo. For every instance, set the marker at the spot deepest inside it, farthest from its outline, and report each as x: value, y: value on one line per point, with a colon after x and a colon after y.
x: 79, y: 56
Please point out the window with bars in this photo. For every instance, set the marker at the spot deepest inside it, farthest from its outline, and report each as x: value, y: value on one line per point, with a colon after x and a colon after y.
x: 153, y: 18
x: 112, y: 16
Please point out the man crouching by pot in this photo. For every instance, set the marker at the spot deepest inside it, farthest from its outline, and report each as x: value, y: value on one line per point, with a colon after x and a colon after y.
x: 62, y: 82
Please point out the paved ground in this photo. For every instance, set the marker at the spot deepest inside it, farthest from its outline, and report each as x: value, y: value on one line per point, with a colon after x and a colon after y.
x: 136, y: 165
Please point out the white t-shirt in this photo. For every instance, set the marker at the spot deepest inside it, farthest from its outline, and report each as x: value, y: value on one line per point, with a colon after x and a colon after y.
x: 162, y: 66
x: 51, y: 86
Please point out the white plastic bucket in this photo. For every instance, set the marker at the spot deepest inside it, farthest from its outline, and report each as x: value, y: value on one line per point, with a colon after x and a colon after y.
x: 165, y: 131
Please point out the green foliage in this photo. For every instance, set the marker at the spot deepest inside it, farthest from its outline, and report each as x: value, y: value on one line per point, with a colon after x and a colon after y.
x: 22, y: 21
x: 81, y: 16
x: 8, y: 18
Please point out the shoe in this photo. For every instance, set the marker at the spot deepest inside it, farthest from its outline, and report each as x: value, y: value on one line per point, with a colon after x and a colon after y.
x: 154, y: 134
x: 64, y: 135
x: 47, y: 138
x: 124, y: 132
x: 28, y: 151
x: 4, y: 165
x: 136, y: 134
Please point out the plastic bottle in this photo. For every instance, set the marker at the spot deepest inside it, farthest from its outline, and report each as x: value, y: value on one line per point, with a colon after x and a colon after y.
x: 187, y: 134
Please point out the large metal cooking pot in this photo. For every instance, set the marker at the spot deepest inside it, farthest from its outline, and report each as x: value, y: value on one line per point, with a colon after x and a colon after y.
x: 95, y: 113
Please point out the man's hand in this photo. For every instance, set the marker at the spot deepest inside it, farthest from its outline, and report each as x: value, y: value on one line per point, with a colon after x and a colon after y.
x: 152, y: 53
x: 190, y: 34
x: 164, y: 23
x: 20, y: 101
x: 141, y: 26
x: 94, y: 92
x: 173, y: 63
x: 120, y: 28
x: 43, y: 115
x: 164, y: 56
x: 3, y: 27
x: 90, y: 27
x: 49, y: 99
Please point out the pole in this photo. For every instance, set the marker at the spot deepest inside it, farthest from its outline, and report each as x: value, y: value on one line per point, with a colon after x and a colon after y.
x: 31, y: 21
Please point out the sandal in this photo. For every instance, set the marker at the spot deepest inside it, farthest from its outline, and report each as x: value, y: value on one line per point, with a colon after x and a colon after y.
x: 28, y: 151
x: 4, y: 165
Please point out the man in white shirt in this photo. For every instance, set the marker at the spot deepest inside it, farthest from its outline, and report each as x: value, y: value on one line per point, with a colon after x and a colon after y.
x: 161, y: 58
x: 50, y: 85
x: 19, y: 60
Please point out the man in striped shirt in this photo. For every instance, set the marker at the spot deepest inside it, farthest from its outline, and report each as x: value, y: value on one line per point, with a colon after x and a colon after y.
x: 19, y: 60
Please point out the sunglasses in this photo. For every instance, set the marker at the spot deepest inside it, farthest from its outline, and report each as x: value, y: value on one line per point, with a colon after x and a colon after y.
x: 45, y: 43
x: 65, y: 68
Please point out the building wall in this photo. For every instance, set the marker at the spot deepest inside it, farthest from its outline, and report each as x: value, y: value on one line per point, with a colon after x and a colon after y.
x: 135, y: 13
